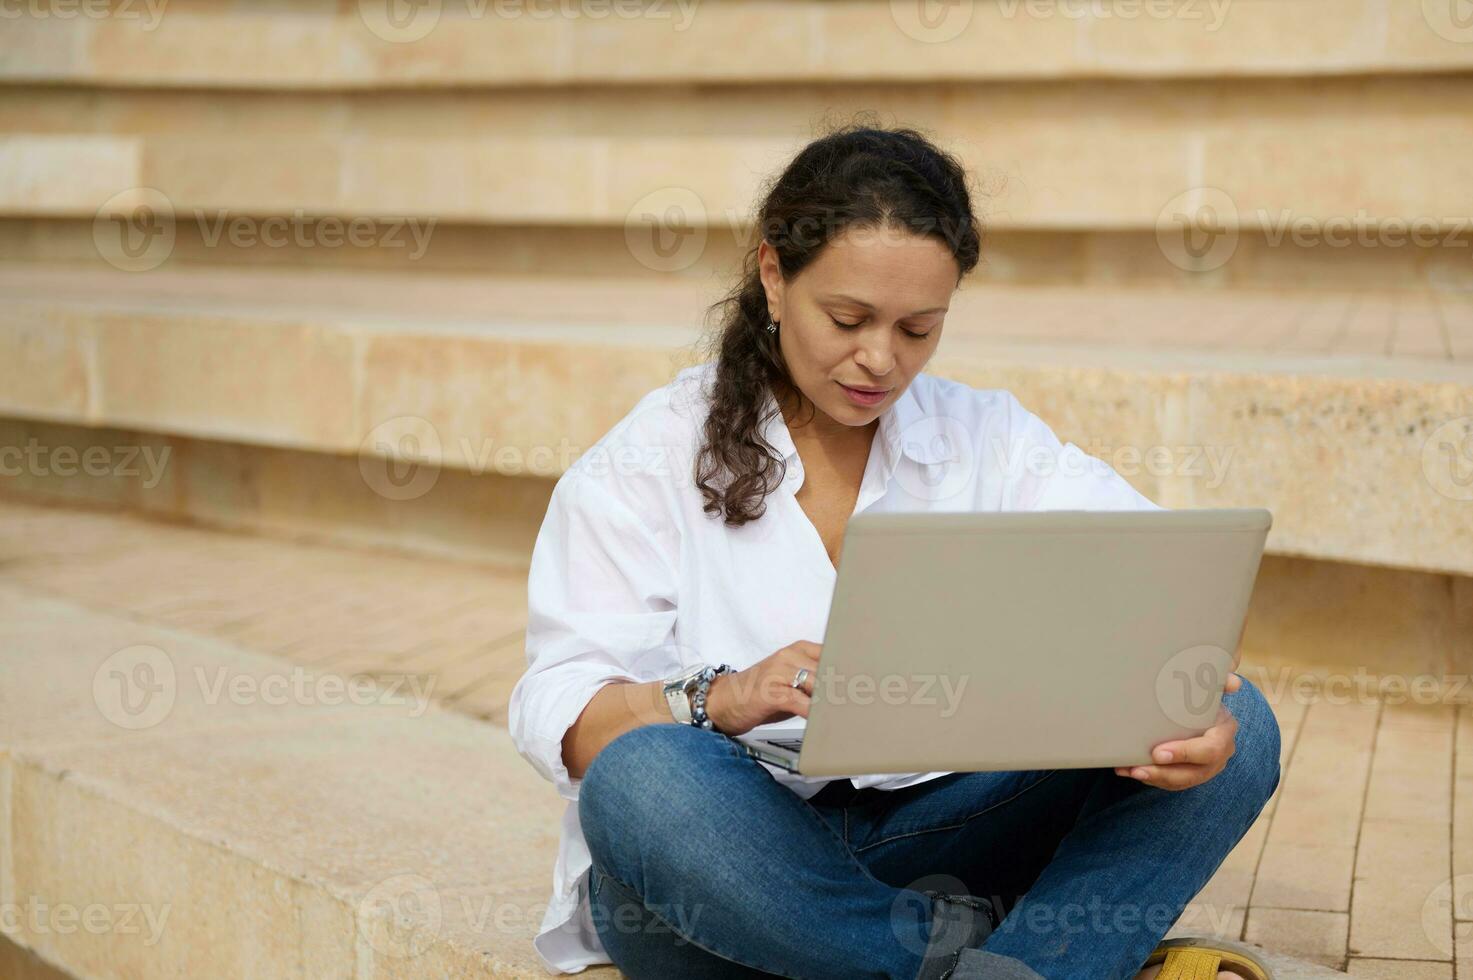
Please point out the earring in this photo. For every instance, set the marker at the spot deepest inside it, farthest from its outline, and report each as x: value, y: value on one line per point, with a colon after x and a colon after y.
x: 771, y: 325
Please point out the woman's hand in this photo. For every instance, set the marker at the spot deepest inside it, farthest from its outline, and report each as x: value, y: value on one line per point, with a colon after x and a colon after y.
x: 739, y: 702
x: 1191, y: 762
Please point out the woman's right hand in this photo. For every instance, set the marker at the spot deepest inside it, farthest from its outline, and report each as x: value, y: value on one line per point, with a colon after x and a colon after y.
x: 764, y: 692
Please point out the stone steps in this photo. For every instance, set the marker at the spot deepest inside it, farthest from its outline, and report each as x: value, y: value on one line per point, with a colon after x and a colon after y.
x: 263, y: 838
x: 222, y: 830
x: 594, y: 158
x: 1239, y: 387
x: 310, y: 45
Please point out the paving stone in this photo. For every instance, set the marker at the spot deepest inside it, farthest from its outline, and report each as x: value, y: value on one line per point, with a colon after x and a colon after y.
x: 1373, y: 969
x: 1318, y: 937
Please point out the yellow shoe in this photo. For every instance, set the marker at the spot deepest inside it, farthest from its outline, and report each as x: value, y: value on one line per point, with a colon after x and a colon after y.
x: 1203, y: 957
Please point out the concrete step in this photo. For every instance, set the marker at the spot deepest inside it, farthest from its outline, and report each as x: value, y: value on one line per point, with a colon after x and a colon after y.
x: 598, y: 158
x: 221, y: 830
x: 322, y: 45
x: 245, y: 837
x: 1238, y: 388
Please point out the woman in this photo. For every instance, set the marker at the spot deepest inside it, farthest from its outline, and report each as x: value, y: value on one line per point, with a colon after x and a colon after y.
x: 705, y: 528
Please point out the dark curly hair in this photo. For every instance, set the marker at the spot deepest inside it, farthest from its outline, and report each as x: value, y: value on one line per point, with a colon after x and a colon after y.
x: 854, y: 177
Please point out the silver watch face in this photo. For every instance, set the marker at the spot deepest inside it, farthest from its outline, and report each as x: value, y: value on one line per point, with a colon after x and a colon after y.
x: 677, y: 693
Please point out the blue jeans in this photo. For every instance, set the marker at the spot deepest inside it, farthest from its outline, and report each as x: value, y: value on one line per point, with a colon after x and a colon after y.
x: 705, y: 866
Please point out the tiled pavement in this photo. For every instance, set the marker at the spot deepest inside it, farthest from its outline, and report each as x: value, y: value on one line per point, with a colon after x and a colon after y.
x: 1359, y: 862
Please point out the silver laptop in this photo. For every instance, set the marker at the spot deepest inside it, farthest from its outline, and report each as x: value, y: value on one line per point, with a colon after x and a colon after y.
x: 969, y: 642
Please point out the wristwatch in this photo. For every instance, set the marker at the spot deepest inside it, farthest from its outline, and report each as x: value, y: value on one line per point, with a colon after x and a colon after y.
x: 678, y: 690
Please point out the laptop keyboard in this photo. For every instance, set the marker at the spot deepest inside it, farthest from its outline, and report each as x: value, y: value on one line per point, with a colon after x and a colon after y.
x: 791, y: 744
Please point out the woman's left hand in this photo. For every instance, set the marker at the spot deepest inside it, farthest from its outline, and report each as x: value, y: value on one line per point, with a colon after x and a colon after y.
x: 1191, y: 762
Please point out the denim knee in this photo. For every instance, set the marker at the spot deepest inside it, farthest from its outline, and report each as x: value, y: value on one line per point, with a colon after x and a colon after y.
x: 629, y: 785
x: 1254, y: 766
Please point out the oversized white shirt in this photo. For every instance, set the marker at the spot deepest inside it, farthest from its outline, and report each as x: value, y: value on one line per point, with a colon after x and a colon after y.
x: 631, y: 581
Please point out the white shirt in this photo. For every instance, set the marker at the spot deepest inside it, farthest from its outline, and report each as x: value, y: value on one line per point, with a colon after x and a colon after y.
x: 631, y: 581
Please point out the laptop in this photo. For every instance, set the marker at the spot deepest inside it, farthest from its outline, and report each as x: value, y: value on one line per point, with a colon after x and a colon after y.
x: 973, y: 642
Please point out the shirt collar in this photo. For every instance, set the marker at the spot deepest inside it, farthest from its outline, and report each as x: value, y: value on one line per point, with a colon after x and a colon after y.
x: 895, y: 422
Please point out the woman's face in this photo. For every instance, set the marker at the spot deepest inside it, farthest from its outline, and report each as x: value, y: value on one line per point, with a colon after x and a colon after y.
x: 866, y: 314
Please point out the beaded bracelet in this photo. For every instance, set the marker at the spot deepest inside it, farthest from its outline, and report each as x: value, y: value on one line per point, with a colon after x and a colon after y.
x: 698, y: 716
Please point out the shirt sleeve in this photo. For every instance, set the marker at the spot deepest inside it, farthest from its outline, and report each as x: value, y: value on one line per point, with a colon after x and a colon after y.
x: 1048, y: 474
x: 601, y: 595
